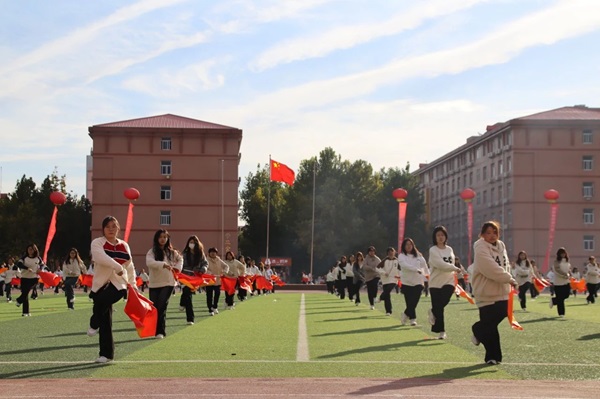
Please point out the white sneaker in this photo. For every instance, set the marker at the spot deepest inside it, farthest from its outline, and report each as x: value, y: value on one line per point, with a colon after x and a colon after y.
x: 442, y: 335
x: 551, y: 304
x: 474, y: 340
x: 103, y: 359
x: 216, y: 311
x: 71, y: 308
x: 190, y: 323
x: 493, y: 362
x: 372, y: 307
x: 430, y: 317
x: 181, y: 308
x: 159, y: 336
x: 388, y: 314
x: 413, y: 322
x: 404, y: 319
x: 91, y: 332
x: 212, y: 313
x: 29, y: 314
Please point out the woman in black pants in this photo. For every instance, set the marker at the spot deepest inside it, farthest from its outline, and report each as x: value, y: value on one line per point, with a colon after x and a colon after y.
x: 371, y: 275
x: 73, y: 267
x: 562, y: 283
x: 30, y: 265
x: 412, y: 269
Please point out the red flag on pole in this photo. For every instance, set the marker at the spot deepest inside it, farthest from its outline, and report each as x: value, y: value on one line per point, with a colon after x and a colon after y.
x: 142, y: 312
x: 282, y: 173
x: 401, y: 222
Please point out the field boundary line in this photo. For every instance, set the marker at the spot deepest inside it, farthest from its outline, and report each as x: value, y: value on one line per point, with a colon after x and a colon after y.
x: 302, y: 354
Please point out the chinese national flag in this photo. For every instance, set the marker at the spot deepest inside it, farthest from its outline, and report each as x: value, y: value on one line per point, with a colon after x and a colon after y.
x: 280, y: 172
x: 142, y: 312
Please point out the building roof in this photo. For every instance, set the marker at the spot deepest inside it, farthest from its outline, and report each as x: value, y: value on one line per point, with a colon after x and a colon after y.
x: 166, y: 121
x: 577, y: 112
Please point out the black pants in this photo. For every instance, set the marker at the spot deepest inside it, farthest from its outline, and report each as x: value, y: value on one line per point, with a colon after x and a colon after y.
x: 330, y: 288
x: 229, y: 298
x: 439, y: 299
x: 533, y: 291
x: 340, y: 286
x: 8, y: 289
x: 412, y: 294
x: 523, y: 294
x: 186, y: 302
x: 213, y: 292
x: 26, y: 285
x: 102, y: 317
x: 562, y: 293
x: 357, y: 288
x: 1, y: 288
x: 592, y: 290
x: 372, y: 290
x: 386, y: 296
x: 160, y: 297
x: 350, y: 286
x: 69, y: 290
x: 486, y: 329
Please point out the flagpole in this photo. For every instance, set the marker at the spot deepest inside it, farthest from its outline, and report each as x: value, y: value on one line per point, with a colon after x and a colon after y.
x: 268, y: 209
x: 312, y: 233
x: 222, y: 205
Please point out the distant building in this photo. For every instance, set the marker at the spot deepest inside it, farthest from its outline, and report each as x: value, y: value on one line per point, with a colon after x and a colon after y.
x: 510, y: 167
x: 186, y: 171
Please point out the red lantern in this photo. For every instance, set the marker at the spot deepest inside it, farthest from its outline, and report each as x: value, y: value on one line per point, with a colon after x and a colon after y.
x: 58, y: 198
x: 551, y: 195
x: 467, y: 194
x: 131, y: 194
x: 400, y: 194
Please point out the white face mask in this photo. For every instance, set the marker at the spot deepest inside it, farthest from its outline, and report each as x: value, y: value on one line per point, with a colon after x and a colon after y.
x: 191, y: 245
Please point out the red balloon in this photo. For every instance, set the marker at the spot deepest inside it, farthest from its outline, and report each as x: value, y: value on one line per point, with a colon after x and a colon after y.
x: 131, y: 194
x: 58, y: 198
x: 400, y: 194
x: 467, y: 194
x: 551, y: 195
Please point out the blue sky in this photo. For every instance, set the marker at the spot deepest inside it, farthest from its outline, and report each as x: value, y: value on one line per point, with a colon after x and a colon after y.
x: 386, y: 81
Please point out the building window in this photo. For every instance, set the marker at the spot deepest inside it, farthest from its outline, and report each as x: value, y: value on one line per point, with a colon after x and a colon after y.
x: 478, y: 175
x: 588, y: 190
x: 458, y: 183
x: 500, y: 193
x: 588, y: 162
x: 165, y: 168
x: 165, y: 218
x: 492, y: 195
x: 587, y: 136
x: 492, y: 170
x: 165, y: 144
x: 165, y: 193
x: 484, y: 173
x: 588, y: 243
x: 470, y: 178
x: 588, y: 216
x: 500, y: 168
x: 508, y: 164
x: 485, y: 199
x: 508, y: 190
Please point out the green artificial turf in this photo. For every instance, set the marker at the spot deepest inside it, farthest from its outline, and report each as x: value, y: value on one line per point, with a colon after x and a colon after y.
x: 259, y: 339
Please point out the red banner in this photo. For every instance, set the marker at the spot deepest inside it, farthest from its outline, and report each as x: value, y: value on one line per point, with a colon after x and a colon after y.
x: 142, y: 312
x: 401, y: 222
x: 552, y: 229
x: 129, y: 222
x: 511, y: 318
x: 470, y: 229
x: 51, y: 232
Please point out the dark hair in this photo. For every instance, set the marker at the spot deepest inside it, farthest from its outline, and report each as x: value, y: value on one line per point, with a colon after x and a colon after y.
x: 193, y: 257
x: 213, y: 249
x: 248, y: 260
x: 491, y: 223
x: 68, y: 258
x: 36, y: 251
x: 390, y: 249
x: 435, y: 231
x: 241, y: 259
x: 357, y: 255
x: 371, y: 248
x: 518, y: 261
x: 159, y: 253
x: 414, y: 251
x: 229, y: 253
x: 561, y: 251
x: 109, y: 219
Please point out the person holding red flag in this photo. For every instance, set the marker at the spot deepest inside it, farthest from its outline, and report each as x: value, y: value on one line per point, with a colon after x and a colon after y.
x: 592, y: 279
x: 412, y: 269
x: 562, y: 283
x: 217, y: 268
x: 73, y: 267
x: 162, y: 259
x: 194, y: 261
x: 524, y: 274
x: 236, y: 269
x: 282, y: 173
x: 492, y: 281
x: 113, y: 271
x: 30, y: 265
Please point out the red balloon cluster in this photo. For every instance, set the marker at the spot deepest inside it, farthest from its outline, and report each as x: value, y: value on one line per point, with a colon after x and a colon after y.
x: 131, y: 194
x: 400, y: 194
x: 467, y: 194
x: 58, y: 198
x: 551, y: 195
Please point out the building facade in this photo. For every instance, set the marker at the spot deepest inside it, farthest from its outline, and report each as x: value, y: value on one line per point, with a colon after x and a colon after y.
x: 510, y: 167
x: 186, y: 171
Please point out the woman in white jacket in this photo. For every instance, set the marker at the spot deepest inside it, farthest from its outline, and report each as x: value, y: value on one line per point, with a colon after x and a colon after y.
x: 562, y: 282
x: 592, y: 279
x: 389, y: 272
x: 524, y: 273
x: 492, y: 283
x: 412, y: 269
x: 441, y: 281
x: 162, y: 259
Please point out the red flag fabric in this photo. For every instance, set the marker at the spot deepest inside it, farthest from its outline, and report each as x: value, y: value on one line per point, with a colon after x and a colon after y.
x: 282, y: 173
x: 458, y: 289
x: 50, y: 279
x: 399, y: 281
x: 142, y: 312
x: 195, y: 282
x: 3, y: 269
x: 578, y: 285
x: 277, y: 280
x: 129, y: 222
x: 138, y: 281
x: 245, y: 283
x: 51, y: 232
x: 86, y: 279
x: 263, y: 284
x: 15, y: 281
x: 540, y: 284
x: 511, y: 318
x: 228, y: 284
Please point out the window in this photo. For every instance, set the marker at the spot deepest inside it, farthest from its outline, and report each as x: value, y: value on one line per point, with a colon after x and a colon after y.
x: 485, y: 199
x: 453, y: 186
x: 588, y: 216
x: 500, y: 168
x: 478, y: 175
x: 587, y: 136
x: 165, y: 168
x: 588, y: 243
x: 492, y: 170
x: 588, y: 162
x: 165, y: 218
x: 588, y: 190
x: 500, y: 193
x: 492, y: 195
x: 165, y: 193
x: 458, y: 183
x: 508, y: 164
x: 470, y: 178
x: 508, y: 190
x: 165, y: 144
x: 484, y: 172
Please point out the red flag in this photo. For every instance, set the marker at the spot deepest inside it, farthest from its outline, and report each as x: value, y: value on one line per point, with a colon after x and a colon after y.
x: 51, y: 232
x: 263, y: 284
x: 277, y: 280
x: 245, y: 283
x: 578, y: 285
x: 142, y: 312
x: 511, y: 318
x: 282, y: 173
x: 15, y: 281
x: 228, y: 284
x: 3, y: 269
x: 459, y: 290
x: 50, y: 279
x: 138, y: 281
x: 540, y: 284
x: 86, y: 279
x: 399, y: 281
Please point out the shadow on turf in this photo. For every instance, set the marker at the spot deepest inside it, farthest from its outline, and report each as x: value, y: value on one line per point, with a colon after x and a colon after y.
x: 41, y: 372
x: 379, y: 348
x: 361, y: 331
x: 33, y: 351
x: 589, y: 337
x: 444, y: 377
x: 538, y: 320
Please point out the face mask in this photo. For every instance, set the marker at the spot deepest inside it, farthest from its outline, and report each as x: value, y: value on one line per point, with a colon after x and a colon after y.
x: 191, y: 245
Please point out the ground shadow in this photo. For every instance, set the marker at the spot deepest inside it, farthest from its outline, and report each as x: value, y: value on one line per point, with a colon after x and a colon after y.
x: 93, y: 344
x: 379, y: 348
x: 360, y: 331
x: 589, y: 337
x: 56, y: 369
x: 537, y: 320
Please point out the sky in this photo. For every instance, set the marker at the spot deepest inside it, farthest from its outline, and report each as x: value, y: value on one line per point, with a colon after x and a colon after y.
x: 385, y: 81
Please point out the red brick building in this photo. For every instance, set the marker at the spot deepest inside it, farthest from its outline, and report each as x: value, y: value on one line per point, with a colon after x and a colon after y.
x: 186, y: 171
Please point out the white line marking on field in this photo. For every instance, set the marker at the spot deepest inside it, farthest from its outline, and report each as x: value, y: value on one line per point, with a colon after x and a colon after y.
x: 302, y: 348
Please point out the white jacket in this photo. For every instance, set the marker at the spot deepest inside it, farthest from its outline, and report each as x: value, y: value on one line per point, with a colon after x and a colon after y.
x: 592, y: 274
x: 410, y: 266
x: 390, y: 271
x: 441, y: 262
x: 106, y: 267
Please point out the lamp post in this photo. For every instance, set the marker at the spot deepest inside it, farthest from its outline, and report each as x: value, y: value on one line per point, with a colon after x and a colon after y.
x: 467, y: 195
x: 551, y: 196
x: 400, y: 194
